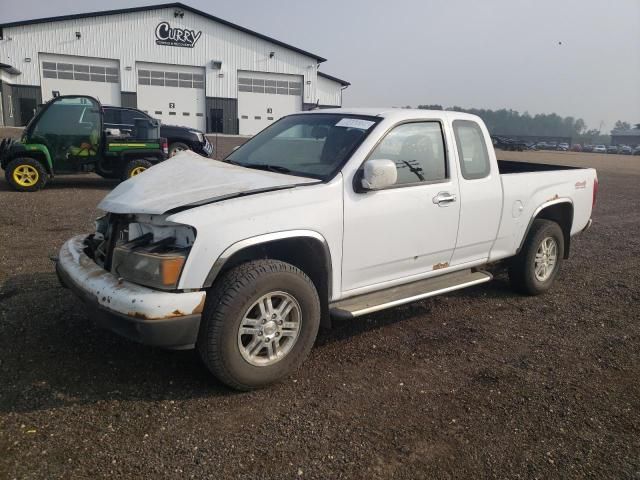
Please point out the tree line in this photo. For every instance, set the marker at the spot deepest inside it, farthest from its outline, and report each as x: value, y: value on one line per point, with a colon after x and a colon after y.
x: 511, y: 122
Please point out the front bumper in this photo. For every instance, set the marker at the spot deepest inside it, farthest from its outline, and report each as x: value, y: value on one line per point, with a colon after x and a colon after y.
x: 152, y: 317
x: 205, y: 149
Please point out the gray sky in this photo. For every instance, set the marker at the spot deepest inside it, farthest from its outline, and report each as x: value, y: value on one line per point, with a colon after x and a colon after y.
x: 484, y: 54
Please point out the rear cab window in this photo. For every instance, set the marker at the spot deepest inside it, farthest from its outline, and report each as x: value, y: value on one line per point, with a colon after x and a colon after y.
x: 472, y: 150
x: 129, y: 116
x: 111, y: 116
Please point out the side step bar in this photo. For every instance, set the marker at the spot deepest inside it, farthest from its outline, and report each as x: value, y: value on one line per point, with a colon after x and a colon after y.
x: 410, y: 292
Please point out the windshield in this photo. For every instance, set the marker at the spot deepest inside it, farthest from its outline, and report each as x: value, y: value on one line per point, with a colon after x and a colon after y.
x: 309, y: 145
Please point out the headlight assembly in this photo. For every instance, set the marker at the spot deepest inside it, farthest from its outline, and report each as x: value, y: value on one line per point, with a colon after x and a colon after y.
x: 150, y: 265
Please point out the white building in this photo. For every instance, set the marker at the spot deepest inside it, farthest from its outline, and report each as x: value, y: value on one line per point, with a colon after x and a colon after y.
x: 178, y: 64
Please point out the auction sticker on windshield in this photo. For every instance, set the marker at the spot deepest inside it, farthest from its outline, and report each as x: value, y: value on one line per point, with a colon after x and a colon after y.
x: 355, y: 123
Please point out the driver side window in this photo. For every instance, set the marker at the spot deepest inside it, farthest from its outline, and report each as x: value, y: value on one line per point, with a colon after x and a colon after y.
x: 418, y: 151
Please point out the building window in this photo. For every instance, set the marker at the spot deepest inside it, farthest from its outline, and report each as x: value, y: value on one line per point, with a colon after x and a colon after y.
x: 170, y: 79
x: 277, y: 87
x: 85, y: 73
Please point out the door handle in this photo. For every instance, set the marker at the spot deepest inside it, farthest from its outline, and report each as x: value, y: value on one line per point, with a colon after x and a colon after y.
x: 444, y: 198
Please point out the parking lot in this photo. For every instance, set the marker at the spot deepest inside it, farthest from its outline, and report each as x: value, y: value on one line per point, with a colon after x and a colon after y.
x: 479, y: 383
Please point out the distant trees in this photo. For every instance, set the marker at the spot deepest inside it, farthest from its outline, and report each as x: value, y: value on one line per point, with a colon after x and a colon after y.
x: 620, y: 125
x: 512, y: 122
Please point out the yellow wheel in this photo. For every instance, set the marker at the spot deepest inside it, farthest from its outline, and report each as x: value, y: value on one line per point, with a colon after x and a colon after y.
x: 135, y: 168
x: 137, y: 171
x: 26, y: 174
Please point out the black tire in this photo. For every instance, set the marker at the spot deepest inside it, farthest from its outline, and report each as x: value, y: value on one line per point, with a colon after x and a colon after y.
x: 522, y: 268
x: 133, y: 168
x: 230, y: 299
x: 106, y: 169
x: 38, y: 178
x: 177, y: 147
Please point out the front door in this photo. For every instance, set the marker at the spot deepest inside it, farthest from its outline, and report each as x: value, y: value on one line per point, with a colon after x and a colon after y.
x: 409, y: 229
x: 217, y: 125
x: 28, y: 108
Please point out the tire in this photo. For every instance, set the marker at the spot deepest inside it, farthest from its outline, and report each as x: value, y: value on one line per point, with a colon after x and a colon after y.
x: 177, y: 147
x: 26, y: 174
x: 105, y: 172
x: 135, y: 167
x: 522, y: 269
x: 230, y: 303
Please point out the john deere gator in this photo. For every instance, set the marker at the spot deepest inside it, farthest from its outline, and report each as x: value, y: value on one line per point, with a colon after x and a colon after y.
x: 67, y: 136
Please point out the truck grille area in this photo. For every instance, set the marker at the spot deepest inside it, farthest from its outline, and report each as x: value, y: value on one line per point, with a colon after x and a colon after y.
x: 110, y: 231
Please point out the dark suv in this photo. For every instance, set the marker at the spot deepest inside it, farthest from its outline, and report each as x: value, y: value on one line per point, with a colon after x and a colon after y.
x: 179, y: 138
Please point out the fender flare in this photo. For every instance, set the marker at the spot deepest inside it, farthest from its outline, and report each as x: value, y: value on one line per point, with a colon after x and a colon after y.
x: 36, y: 151
x: 540, y: 208
x: 240, y: 245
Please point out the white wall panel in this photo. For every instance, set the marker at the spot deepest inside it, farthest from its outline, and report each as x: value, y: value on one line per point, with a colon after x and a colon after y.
x: 329, y: 92
x: 130, y: 38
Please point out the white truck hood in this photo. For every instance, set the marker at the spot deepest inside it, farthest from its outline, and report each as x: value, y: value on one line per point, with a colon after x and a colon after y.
x: 186, y: 179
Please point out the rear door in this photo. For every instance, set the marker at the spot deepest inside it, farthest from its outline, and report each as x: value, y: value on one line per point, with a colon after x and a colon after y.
x: 480, y: 192
x: 409, y: 229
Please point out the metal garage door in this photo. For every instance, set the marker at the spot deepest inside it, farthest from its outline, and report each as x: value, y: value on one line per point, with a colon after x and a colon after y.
x: 71, y: 75
x: 265, y: 97
x: 173, y: 94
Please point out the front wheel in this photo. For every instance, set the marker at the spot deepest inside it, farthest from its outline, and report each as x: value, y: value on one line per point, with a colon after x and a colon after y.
x: 26, y: 174
x: 177, y: 147
x: 259, y: 323
x: 535, y: 268
x: 135, y: 167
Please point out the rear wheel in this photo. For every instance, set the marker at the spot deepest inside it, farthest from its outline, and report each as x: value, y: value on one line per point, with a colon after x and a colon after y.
x: 26, y: 174
x: 135, y: 167
x: 535, y: 268
x: 259, y: 323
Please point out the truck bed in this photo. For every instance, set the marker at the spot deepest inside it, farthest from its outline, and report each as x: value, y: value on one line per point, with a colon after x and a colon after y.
x: 510, y: 166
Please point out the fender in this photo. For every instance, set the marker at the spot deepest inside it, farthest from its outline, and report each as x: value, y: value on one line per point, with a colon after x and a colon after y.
x: 267, y: 238
x: 535, y: 214
x: 18, y: 149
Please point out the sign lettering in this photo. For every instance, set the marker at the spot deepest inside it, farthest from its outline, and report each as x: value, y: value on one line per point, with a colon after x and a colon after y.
x: 176, y: 37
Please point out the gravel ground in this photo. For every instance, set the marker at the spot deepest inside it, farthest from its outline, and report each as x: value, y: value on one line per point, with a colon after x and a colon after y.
x: 480, y: 383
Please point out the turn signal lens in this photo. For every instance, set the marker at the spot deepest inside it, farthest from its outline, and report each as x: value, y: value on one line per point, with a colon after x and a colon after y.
x: 171, y: 269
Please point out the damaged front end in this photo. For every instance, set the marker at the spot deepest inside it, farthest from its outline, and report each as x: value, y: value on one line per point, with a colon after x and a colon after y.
x: 143, y: 249
x: 128, y: 272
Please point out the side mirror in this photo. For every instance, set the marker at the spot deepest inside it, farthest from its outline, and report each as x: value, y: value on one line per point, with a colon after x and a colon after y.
x: 379, y: 174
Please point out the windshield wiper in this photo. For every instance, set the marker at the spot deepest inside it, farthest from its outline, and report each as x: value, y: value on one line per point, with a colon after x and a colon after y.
x: 263, y: 166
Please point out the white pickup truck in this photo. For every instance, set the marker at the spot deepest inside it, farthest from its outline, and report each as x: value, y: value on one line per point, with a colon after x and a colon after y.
x: 333, y: 212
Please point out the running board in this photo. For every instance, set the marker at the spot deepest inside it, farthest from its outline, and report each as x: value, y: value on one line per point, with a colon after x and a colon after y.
x: 410, y: 292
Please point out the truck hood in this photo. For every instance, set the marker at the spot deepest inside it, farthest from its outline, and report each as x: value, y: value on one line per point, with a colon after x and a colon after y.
x: 189, y: 180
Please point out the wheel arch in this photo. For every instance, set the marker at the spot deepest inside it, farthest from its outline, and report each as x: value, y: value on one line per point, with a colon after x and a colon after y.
x: 559, y: 211
x: 36, y: 155
x: 301, y: 248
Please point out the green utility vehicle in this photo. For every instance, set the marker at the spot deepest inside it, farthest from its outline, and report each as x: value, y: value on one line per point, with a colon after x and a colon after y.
x: 67, y: 136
